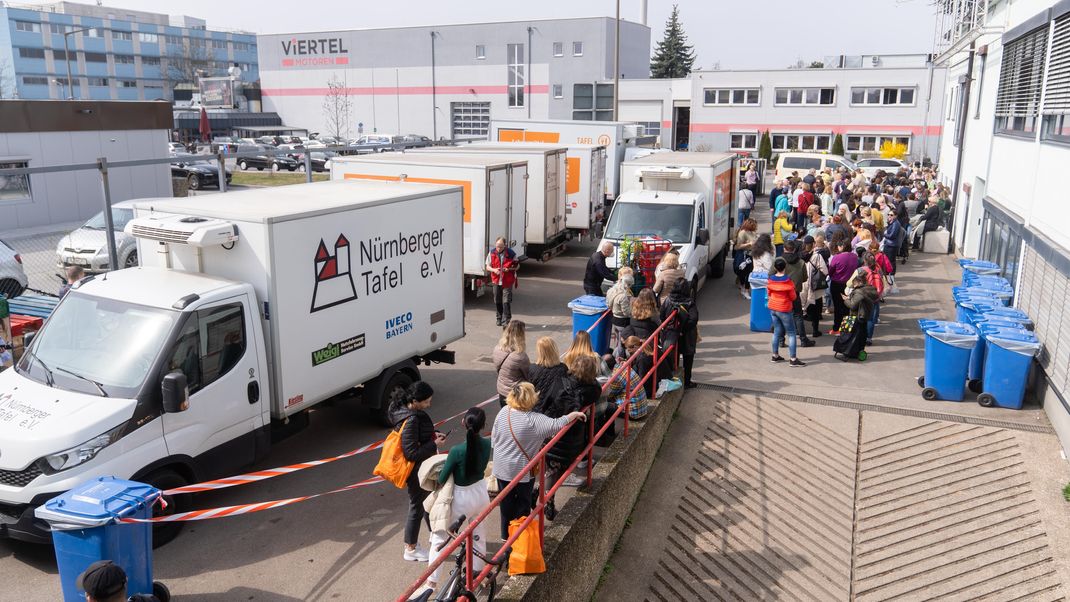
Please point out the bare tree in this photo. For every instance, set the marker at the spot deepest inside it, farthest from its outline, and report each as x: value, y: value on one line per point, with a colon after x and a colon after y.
x: 336, y: 108
x: 184, y: 63
x: 7, y: 81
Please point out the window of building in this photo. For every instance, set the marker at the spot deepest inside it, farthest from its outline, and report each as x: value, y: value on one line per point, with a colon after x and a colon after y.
x: 882, y: 96
x: 210, y: 344
x: 516, y: 75
x: 148, y: 38
x: 1057, y: 94
x: 94, y: 32
x: 801, y: 142
x: 127, y: 83
x: 744, y: 141
x: 1020, y: 76
x: 28, y: 26
x: 99, y: 82
x: 559, y: 91
x: 577, y: 49
x: 123, y: 59
x: 241, y: 46
x: 60, y: 28
x: 732, y: 96
x: 481, y: 52
x: 559, y: 49
x: 15, y: 188
x: 150, y: 60
x: 197, y: 42
x: 61, y: 81
x: 122, y: 35
x: 592, y: 102
x: 35, y: 80
x: 245, y: 67
x: 872, y: 143
x: 650, y: 128
x: 32, y: 53
x: 805, y: 96
x: 96, y: 57
x: 219, y: 44
x: 152, y: 84
x: 61, y: 55
x: 173, y: 40
x: 470, y: 119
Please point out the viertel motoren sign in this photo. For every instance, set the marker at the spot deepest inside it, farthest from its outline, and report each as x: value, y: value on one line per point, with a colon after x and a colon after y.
x: 309, y: 52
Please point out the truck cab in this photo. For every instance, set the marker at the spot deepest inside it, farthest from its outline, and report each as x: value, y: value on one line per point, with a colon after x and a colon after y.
x: 133, y: 375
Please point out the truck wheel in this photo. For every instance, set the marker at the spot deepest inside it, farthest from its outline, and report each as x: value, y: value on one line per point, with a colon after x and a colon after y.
x: 163, y: 480
x: 396, y: 388
x: 717, y: 267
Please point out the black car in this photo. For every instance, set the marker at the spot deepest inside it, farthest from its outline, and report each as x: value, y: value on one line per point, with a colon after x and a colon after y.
x: 198, y: 174
x: 320, y: 160
x: 264, y: 158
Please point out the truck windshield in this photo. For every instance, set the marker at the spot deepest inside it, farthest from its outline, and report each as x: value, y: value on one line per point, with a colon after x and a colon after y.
x: 671, y: 222
x: 90, y: 339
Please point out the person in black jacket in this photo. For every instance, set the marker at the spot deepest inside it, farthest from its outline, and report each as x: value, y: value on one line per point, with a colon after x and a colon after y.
x: 644, y: 320
x: 597, y: 271
x: 547, y: 374
x: 684, y: 332
x: 419, y: 441
x: 580, y: 390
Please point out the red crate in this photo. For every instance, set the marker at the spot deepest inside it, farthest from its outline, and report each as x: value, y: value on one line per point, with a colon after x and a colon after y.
x: 20, y: 325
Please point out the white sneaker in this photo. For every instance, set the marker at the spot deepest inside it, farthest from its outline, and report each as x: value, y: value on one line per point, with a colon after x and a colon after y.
x: 417, y: 555
x: 746, y: 294
x: 574, y: 481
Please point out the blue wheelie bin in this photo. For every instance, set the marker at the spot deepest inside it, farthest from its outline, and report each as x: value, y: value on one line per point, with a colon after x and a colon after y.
x: 999, y: 281
x: 1011, y: 313
x: 1003, y: 294
x: 947, y: 359
x: 977, y: 266
x: 983, y: 322
x: 84, y: 531
x: 760, y: 318
x: 586, y: 311
x: 967, y: 306
x: 1008, y: 359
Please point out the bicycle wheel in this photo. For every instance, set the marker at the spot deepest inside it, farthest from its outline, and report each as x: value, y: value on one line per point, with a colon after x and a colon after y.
x: 453, y: 586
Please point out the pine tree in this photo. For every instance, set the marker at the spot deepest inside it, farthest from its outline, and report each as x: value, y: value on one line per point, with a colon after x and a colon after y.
x: 673, y: 57
x: 765, y: 147
x: 837, y: 145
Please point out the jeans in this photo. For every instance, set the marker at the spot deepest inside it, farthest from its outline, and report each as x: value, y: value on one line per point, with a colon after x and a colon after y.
x: 515, y: 504
x: 503, y: 301
x: 416, y: 514
x: 797, y: 317
x: 783, y: 325
x: 741, y: 216
x: 871, y: 324
x: 779, y: 250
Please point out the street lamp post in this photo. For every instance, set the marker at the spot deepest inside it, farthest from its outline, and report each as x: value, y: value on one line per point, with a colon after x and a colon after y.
x: 67, y: 57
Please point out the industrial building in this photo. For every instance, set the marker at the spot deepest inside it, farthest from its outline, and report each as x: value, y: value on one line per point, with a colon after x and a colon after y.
x: 448, y: 81
x: 1005, y: 150
x: 115, y: 54
x: 867, y: 99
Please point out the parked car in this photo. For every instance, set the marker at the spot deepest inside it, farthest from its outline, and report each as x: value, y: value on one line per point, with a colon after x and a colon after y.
x: 264, y: 159
x: 803, y: 162
x: 13, y: 281
x: 176, y: 148
x: 871, y: 166
x: 320, y: 160
x: 88, y: 245
x: 198, y: 174
x: 294, y: 151
x: 266, y: 140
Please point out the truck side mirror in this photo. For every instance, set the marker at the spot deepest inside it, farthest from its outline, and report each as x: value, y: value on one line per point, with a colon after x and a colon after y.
x: 175, y: 392
x: 702, y: 237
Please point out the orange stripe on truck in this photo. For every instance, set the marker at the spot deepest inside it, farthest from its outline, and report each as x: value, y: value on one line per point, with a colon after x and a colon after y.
x: 466, y: 187
x: 572, y: 175
x: 528, y: 136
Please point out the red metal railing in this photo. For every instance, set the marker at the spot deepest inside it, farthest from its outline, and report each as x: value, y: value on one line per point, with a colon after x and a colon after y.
x: 539, y: 460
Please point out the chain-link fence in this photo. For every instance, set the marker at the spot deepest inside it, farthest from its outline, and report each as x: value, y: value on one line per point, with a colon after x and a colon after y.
x: 37, y: 253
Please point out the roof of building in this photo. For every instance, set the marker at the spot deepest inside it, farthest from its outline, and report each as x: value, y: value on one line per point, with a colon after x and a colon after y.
x: 425, y: 25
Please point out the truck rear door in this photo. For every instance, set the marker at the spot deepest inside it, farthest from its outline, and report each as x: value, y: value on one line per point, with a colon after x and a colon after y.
x: 216, y: 349
x: 498, y: 210
x: 554, y: 208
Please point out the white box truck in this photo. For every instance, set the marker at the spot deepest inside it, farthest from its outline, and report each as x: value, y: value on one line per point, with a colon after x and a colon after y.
x: 494, y: 190
x: 616, y: 136
x: 246, y: 311
x: 682, y: 197
x: 546, y: 232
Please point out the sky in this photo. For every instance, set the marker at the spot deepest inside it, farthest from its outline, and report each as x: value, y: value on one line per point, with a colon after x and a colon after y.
x: 734, y: 34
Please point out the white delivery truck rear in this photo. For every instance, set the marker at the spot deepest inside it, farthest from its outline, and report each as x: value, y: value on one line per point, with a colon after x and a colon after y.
x: 494, y: 190
x: 245, y: 312
x: 694, y: 216
x: 616, y: 136
x: 546, y: 232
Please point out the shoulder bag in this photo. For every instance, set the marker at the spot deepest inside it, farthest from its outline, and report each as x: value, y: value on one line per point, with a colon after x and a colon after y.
x: 534, y: 472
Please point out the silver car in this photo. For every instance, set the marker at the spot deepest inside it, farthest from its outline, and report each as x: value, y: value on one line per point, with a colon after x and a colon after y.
x: 87, y: 246
x: 13, y: 281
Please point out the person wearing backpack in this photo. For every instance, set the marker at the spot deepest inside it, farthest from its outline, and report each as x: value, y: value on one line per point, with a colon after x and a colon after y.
x: 684, y: 331
x: 419, y: 441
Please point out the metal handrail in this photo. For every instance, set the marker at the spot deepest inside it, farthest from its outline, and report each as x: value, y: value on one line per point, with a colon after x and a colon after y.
x: 539, y: 460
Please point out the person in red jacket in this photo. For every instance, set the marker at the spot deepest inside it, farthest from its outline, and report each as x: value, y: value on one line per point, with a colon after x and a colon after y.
x: 502, y: 265
x: 806, y: 199
x: 781, y: 292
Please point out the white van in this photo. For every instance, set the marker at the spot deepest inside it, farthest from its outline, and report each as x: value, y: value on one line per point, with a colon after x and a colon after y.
x: 804, y: 162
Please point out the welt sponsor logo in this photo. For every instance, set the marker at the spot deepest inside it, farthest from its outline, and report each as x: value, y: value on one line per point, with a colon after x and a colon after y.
x: 310, y: 52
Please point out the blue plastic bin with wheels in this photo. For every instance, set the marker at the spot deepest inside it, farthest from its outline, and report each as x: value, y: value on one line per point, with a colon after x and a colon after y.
x: 983, y: 321
x: 966, y: 306
x: 760, y: 318
x: 1003, y: 294
x: 84, y: 531
x: 947, y: 359
x: 586, y: 311
x: 998, y: 281
x: 1011, y: 313
x: 1008, y: 360
x: 978, y: 266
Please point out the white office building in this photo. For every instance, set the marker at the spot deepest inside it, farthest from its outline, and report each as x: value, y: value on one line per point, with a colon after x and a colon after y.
x: 447, y: 81
x: 1005, y: 152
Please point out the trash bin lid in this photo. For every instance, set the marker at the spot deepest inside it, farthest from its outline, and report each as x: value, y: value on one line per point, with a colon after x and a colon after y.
x: 980, y: 320
x: 588, y: 304
x: 991, y: 291
x: 1012, y: 313
x: 980, y: 263
x: 96, y: 502
x: 1020, y: 341
x: 956, y: 334
x: 979, y: 304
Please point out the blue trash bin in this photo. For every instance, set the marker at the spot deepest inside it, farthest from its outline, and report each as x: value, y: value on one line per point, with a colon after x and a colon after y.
x: 983, y: 321
x: 586, y: 311
x: 947, y: 359
x: 84, y: 531
x: 978, y: 266
x: 1008, y: 359
x: 1003, y: 294
x: 1011, y: 313
x: 760, y: 318
x: 966, y: 306
x: 998, y: 281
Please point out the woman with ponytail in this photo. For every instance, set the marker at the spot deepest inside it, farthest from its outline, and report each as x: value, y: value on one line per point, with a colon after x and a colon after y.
x: 465, y: 463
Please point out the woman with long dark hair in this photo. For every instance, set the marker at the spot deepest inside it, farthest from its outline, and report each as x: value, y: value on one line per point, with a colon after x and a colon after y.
x: 419, y: 441
x: 465, y: 463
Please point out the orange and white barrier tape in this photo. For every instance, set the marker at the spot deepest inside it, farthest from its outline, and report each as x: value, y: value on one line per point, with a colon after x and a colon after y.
x: 261, y: 475
x: 225, y: 511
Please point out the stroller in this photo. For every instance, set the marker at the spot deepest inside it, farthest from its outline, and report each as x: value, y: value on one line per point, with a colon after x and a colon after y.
x: 851, y: 344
